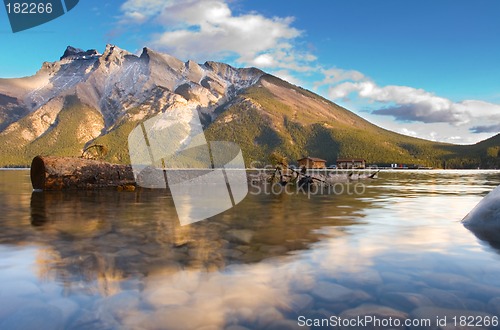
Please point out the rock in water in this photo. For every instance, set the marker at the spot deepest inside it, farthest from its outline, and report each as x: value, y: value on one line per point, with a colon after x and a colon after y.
x: 484, y: 219
x: 486, y: 213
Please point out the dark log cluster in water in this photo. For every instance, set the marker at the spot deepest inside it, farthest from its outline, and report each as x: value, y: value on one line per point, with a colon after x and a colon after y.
x: 61, y: 173
x: 305, y: 178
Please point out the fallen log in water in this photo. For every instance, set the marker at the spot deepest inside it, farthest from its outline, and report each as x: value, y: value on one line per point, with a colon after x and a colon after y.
x: 61, y: 173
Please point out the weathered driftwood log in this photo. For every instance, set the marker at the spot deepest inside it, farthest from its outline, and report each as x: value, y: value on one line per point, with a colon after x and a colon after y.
x: 61, y: 173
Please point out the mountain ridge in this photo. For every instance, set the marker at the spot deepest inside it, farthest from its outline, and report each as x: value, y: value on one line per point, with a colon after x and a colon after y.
x: 91, y: 98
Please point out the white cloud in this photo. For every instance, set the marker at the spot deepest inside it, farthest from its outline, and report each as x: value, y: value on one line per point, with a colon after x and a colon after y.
x: 408, y: 104
x: 208, y: 29
x: 138, y: 11
x: 397, y: 94
x: 287, y: 76
x: 336, y: 75
x: 264, y: 61
x: 408, y: 132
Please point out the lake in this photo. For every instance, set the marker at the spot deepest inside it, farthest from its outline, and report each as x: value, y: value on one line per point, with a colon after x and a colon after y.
x: 394, y: 253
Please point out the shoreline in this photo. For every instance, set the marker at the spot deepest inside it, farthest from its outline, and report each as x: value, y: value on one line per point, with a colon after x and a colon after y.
x: 381, y: 169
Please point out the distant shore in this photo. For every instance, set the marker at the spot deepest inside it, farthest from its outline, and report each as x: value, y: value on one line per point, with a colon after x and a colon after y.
x: 389, y: 169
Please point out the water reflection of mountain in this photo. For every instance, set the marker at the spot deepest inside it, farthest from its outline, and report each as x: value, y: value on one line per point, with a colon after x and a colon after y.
x: 107, y: 235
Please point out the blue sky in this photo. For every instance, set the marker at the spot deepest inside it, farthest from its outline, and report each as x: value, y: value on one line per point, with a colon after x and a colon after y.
x: 428, y: 68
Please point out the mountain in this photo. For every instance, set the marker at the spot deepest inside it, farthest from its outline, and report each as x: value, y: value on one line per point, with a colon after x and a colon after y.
x: 89, y: 98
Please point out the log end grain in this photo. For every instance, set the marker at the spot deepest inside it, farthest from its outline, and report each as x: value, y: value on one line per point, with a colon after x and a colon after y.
x: 37, y: 173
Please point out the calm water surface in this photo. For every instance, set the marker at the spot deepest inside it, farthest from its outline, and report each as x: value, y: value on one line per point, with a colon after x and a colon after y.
x: 120, y: 260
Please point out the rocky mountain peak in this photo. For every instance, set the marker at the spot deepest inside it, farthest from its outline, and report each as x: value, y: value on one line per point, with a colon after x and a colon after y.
x: 145, y: 52
x: 73, y: 53
x: 192, y: 65
x: 162, y: 59
x: 114, y: 54
x: 218, y: 67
